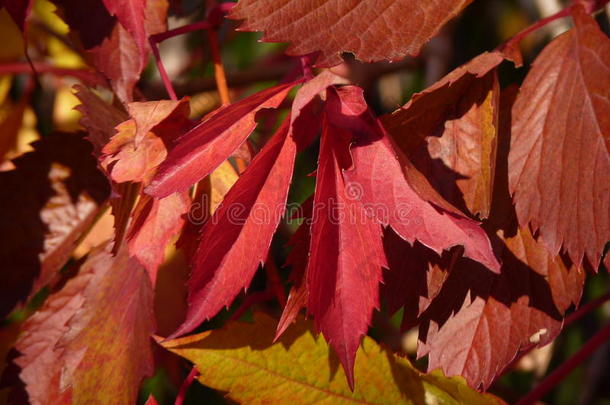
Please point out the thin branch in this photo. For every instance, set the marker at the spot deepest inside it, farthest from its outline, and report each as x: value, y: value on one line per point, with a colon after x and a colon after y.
x: 517, y: 38
x: 167, y: 83
x: 251, y: 300
x: 194, y: 373
x: 585, y: 309
x: 512, y: 44
x: 546, y: 8
x: 210, y: 24
x: 88, y: 77
x: 274, y: 282
x: 257, y: 74
x: 202, y: 25
x: 154, y: 41
x: 219, y: 71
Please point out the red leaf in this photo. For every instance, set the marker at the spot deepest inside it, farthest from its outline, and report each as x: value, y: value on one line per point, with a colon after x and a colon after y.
x: 312, y: 88
x: 130, y: 14
x: 155, y: 221
x: 560, y: 160
x: 235, y: 241
x: 297, y: 259
x: 345, y: 256
x: 207, y: 145
x: 149, y: 115
x: 305, y: 112
x: 448, y: 131
x: 125, y: 161
x: 90, y: 342
x: 51, y: 197
x: 151, y: 400
x: 414, y: 278
x: 210, y: 193
x: 478, y: 323
x: 378, y: 180
x: 119, y: 56
x: 373, y: 31
x: 98, y: 118
x: 428, y: 110
x: 138, y: 147
x: 460, y: 162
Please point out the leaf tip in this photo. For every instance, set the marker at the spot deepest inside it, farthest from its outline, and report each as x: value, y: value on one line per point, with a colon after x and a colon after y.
x: 349, y: 374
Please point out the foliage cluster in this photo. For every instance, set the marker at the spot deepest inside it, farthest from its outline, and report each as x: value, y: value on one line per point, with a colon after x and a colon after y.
x: 145, y: 232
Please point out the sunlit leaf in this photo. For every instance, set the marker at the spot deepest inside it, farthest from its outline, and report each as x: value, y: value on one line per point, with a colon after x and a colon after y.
x: 301, y: 369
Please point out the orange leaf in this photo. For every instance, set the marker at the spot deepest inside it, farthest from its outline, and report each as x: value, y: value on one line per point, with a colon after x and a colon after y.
x: 560, y: 147
x: 90, y: 342
x: 370, y: 29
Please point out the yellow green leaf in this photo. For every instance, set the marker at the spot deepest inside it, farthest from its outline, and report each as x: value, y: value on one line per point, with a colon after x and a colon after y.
x: 221, y: 179
x: 300, y: 369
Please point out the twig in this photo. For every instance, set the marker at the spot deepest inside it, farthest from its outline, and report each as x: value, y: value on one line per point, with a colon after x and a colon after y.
x: 585, y: 309
x: 86, y: 76
x: 252, y: 299
x: 514, y: 41
x: 155, y: 40
x: 210, y: 25
x: 517, y: 38
x: 219, y: 71
x: 276, y: 72
x: 237, y: 79
x: 549, y: 7
x: 202, y: 25
x: 185, y: 385
x: 274, y: 281
x: 167, y: 83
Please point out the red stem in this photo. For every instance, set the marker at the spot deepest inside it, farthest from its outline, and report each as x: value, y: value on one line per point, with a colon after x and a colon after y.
x: 167, y: 83
x: 154, y: 40
x: 252, y: 299
x: 86, y: 76
x: 219, y: 71
x: 591, y: 6
x: 202, y: 25
x: 185, y: 385
x: 29, y: 59
x: 208, y: 25
x: 553, y: 379
x: 585, y: 309
x: 539, y: 24
x: 274, y: 281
